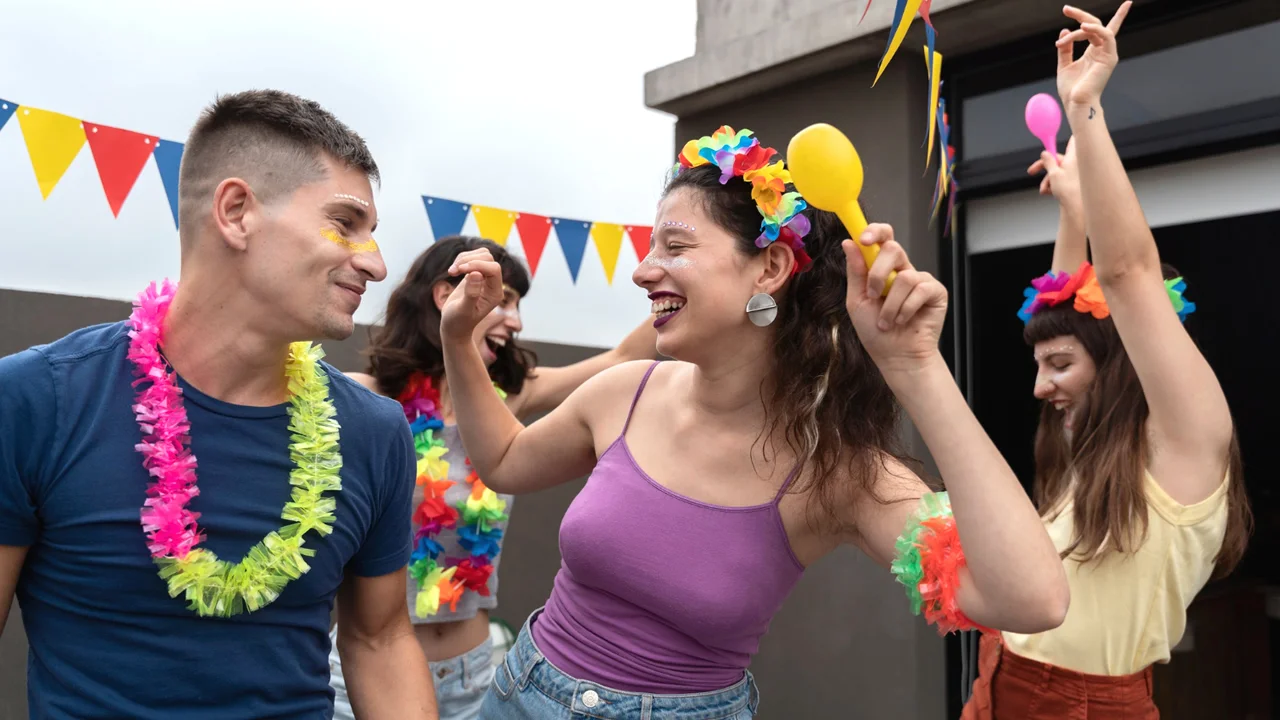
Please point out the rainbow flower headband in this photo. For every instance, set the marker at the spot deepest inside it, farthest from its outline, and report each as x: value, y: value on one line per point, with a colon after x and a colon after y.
x: 741, y: 154
x: 1053, y: 289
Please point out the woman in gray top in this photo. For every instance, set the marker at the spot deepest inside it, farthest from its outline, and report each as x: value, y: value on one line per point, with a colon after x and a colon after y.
x: 406, y: 363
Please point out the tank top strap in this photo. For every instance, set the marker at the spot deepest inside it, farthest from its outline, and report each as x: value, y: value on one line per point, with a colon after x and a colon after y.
x: 787, y: 483
x: 643, y: 381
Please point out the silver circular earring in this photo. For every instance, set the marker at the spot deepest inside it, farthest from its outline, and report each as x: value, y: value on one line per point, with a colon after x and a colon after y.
x: 762, y: 310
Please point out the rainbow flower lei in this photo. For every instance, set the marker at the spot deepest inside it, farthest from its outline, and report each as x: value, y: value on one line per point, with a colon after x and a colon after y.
x: 928, y: 562
x: 480, y: 512
x: 212, y: 586
x: 1052, y: 289
x: 740, y: 154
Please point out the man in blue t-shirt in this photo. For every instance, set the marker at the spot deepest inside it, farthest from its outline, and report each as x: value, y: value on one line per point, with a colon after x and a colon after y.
x: 276, y: 214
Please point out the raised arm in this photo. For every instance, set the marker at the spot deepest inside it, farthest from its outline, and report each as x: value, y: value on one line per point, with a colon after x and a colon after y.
x: 552, y: 385
x: 1062, y: 181
x: 1190, y: 422
x: 1014, y: 579
x: 510, y: 457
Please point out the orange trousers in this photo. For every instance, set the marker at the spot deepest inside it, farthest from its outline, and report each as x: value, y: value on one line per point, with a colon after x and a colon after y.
x: 1011, y: 687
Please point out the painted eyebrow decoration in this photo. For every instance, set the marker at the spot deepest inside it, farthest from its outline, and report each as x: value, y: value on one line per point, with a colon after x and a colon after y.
x: 1055, y: 351
x: 353, y: 198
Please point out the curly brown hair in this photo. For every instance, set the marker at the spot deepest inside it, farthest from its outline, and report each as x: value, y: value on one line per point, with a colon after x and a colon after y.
x: 409, y: 339
x: 1107, y: 454
x: 828, y: 400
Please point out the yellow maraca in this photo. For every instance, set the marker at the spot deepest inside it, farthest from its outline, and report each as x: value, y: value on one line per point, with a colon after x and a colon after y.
x: 825, y: 168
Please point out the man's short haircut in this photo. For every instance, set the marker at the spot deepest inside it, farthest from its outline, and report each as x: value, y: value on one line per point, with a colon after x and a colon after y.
x: 273, y: 140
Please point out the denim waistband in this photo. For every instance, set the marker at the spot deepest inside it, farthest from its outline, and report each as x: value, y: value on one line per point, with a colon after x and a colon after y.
x: 527, y: 666
x: 469, y: 663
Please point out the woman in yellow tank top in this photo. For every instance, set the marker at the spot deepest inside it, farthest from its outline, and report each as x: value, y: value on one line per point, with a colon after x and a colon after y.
x: 1138, y: 473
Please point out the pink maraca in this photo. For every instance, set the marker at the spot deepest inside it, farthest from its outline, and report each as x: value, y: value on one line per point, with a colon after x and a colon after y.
x: 1044, y: 117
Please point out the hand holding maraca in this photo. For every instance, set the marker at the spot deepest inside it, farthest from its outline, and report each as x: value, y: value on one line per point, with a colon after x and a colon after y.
x: 900, y: 330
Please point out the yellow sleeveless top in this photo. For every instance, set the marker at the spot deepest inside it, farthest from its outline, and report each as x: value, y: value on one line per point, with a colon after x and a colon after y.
x: 1129, y: 610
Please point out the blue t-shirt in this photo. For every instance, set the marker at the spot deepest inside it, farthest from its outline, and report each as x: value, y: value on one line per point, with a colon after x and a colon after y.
x: 106, y: 640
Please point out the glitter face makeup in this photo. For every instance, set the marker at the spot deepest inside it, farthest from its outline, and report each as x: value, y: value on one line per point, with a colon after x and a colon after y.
x: 353, y: 198
x: 675, y: 223
x: 667, y: 263
x: 1054, y: 351
x: 337, y: 239
x: 509, y: 296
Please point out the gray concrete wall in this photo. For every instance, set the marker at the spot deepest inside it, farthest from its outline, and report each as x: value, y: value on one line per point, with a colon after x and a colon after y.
x: 845, y: 644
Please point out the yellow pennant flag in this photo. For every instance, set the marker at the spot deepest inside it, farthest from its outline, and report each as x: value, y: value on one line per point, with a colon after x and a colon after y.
x: 53, y: 141
x: 608, y: 239
x: 934, y: 67
x: 494, y: 223
x: 897, y: 35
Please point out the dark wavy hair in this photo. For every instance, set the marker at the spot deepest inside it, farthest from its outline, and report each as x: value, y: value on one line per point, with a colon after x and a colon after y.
x: 409, y: 339
x: 1108, y: 452
x: 827, y: 399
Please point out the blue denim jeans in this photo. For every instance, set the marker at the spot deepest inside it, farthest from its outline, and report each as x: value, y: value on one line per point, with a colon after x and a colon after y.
x: 526, y: 686
x: 460, y: 682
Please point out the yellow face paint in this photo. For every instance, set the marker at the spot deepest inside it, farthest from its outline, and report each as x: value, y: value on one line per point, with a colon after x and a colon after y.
x: 337, y: 239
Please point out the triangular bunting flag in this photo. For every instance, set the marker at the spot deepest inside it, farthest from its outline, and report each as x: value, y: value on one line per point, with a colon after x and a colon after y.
x: 608, y: 237
x: 168, y: 161
x: 494, y: 223
x: 119, y: 155
x: 6, y: 109
x: 446, y: 216
x: 533, y: 237
x: 573, y: 241
x: 53, y: 141
x: 933, y: 64
x: 641, y: 237
x: 903, y: 14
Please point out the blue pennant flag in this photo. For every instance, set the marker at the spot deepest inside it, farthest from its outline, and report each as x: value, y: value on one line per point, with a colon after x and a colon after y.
x: 168, y: 159
x: 446, y: 216
x: 6, y: 110
x: 573, y: 236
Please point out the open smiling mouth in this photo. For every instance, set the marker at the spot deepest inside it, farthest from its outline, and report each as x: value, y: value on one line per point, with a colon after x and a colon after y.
x: 495, y: 343
x: 665, y: 309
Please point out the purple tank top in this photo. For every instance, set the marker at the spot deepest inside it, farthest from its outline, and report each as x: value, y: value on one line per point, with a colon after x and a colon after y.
x: 659, y: 593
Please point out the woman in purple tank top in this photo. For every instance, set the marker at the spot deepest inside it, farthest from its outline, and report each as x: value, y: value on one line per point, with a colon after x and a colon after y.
x: 772, y: 439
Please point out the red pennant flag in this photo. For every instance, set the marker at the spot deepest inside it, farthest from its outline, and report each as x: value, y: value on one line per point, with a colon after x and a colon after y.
x: 533, y: 237
x: 641, y: 238
x: 120, y: 156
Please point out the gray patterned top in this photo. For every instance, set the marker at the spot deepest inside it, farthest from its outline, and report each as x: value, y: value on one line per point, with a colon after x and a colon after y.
x: 471, y: 601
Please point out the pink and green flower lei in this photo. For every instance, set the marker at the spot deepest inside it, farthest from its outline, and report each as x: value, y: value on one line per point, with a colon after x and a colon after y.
x: 212, y: 586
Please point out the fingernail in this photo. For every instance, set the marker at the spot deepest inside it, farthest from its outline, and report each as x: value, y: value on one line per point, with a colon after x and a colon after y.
x: 882, y: 325
x: 867, y: 237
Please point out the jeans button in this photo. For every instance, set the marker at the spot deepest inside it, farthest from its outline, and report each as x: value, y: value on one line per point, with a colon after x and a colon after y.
x: 590, y: 698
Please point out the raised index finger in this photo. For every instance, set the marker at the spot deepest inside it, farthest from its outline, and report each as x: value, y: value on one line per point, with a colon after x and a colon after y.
x: 1118, y: 19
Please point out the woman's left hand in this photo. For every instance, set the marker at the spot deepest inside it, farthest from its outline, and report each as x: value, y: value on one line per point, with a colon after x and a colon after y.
x: 1081, y: 80
x: 900, y: 331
